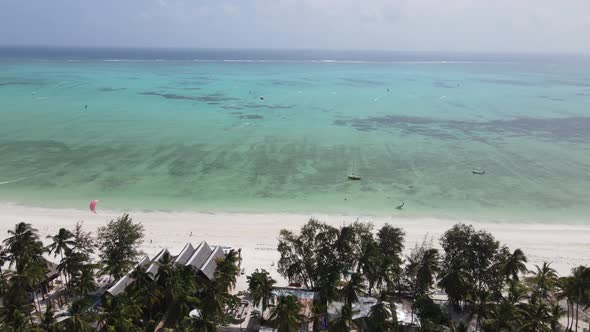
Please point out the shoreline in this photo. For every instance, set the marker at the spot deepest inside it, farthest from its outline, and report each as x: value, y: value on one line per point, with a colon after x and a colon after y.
x: 531, y: 218
x: 565, y: 246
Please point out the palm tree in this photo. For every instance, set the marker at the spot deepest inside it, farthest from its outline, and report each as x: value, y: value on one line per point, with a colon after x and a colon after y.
x: 344, y: 321
x: 184, y: 288
x: 145, y: 289
x: 455, y: 282
x: 513, y: 265
x: 481, y: 306
x: 427, y: 268
x: 85, y: 283
x: 119, y: 314
x: 260, y: 285
x: 197, y: 324
x: 535, y: 317
x: 175, y: 288
x: 545, y: 280
x: 165, y: 278
x: 501, y: 317
x: 3, y: 283
x: 61, y: 242
x: 461, y: 327
x: 352, y: 289
x: 48, y: 319
x: 228, y: 270
x: 517, y: 292
x: 23, y: 247
x: 27, y: 281
x: 286, y: 315
x: 318, y: 312
x: 369, y: 262
x: 24, y: 250
x: 213, y: 302
x: 557, y: 312
x: 389, y: 272
x: 3, y: 257
x: 78, y: 319
x: 15, y: 316
x: 380, y: 315
x: 143, y: 280
x: 567, y: 292
x: 71, y: 265
x: 576, y: 289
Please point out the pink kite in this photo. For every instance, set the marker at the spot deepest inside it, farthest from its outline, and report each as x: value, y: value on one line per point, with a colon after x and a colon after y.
x: 93, y: 205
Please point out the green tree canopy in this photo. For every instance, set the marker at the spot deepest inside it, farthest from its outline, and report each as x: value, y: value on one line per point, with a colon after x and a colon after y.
x: 472, y: 252
x: 310, y: 257
x: 119, y: 243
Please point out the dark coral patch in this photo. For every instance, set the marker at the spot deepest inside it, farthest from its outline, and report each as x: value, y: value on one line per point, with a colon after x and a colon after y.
x: 568, y: 129
x: 209, y: 98
x: 251, y: 116
x: 363, y: 82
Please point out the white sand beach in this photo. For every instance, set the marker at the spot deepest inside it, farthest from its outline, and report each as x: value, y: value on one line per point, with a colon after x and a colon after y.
x: 565, y: 246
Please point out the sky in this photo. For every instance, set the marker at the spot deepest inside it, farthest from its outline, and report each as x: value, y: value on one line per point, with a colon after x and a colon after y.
x: 536, y: 26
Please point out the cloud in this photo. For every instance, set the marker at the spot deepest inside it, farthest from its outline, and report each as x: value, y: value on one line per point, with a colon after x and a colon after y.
x: 437, y: 25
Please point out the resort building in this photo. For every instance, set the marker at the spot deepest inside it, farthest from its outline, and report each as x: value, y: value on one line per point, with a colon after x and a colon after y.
x: 202, y: 258
x: 305, y: 297
x: 361, y: 309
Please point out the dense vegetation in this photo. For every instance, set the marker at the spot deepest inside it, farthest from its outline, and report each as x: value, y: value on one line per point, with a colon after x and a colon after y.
x: 489, y: 286
x: 162, y: 300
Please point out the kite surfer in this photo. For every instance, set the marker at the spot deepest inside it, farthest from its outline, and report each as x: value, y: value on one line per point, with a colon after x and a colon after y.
x: 399, y: 207
x: 93, y: 205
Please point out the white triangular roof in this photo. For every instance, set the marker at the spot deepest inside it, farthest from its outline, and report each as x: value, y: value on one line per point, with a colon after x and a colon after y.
x: 153, y: 269
x: 119, y: 286
x: 199, y: 256
x: 210, y: 265
x: 184, y: 254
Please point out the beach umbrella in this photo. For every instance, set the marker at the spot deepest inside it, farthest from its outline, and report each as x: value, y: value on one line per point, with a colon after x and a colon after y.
x: 93, y: 205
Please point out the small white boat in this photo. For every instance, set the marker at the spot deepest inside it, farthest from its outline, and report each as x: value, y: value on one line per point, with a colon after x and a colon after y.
x: 353, y: 176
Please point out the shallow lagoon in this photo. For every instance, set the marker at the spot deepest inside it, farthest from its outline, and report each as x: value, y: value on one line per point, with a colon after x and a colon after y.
x: 197, y: 135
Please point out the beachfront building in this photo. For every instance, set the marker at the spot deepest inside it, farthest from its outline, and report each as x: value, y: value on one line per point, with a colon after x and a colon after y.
x: 362, y: 309
x: 305, y: 297
x: 202, y: 258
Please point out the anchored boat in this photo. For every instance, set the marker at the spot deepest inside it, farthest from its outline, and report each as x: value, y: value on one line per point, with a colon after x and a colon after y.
x: 353, y: 176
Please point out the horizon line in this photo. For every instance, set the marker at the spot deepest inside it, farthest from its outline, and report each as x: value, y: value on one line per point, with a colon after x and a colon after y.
x: 198, y: 48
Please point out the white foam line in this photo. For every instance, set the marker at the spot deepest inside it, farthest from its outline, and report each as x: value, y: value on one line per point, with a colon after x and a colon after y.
x: 312, y: 61
x: 13, y: 181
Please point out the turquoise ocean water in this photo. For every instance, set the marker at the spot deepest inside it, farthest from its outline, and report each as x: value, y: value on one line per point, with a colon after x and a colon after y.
x: 193, y: 133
